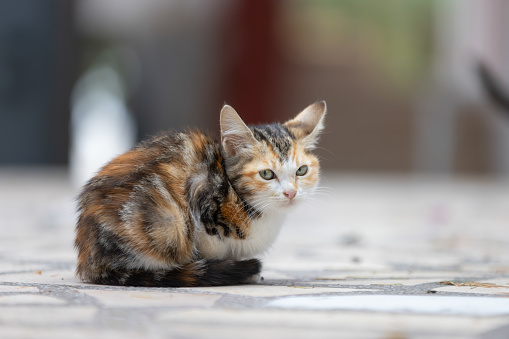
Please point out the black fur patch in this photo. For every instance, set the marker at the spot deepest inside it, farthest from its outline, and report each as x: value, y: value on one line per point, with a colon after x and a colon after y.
x: 277, y: 136
x: 203, y: 273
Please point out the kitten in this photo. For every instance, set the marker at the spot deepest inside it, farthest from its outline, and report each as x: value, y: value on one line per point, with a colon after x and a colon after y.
x: 183, y: 209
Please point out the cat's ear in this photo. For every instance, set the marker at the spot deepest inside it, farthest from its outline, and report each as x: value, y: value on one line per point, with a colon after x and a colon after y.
x: 236, y: 137
x: 308, y: 124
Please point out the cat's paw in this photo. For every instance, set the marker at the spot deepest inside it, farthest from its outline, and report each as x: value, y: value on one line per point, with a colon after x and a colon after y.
x: 254, y: 279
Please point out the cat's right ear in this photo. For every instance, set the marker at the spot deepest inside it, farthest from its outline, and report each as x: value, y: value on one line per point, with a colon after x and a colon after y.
x: 236, y: 137
x: 308, y: 124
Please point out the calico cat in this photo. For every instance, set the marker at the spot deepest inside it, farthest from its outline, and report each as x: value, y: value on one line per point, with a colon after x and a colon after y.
x: 183, y: 209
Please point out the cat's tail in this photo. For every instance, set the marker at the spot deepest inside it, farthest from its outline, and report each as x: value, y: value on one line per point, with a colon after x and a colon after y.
x: 198, y: 273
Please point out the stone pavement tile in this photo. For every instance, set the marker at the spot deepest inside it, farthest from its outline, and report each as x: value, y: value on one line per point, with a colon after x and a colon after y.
x: 72, y: 332
x: 490, y: 286
x: 504, y: 281
x: 49, y: 254
x: 376, y: 282
x: 497, y: 333
x: 123, y: 298
x: 393, y: 274
x: 297, y: 262
x: 343, y: 324
x: 421, y: 304
x: 271, y: 291
x: 473, y: 289
x: 428, y: 260
x: 39, y: 247
x: 8, y: 267
x: 234, y: 331
x: 273, y: 275
x: 45, y: 316
x: 28, y: 299
x: 62, y: 277
x: 487, y: 267
x: 6, y: 288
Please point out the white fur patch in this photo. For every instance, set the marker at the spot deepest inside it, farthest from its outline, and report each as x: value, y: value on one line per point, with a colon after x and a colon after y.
x: 148, y: 263
x: 262, y: 234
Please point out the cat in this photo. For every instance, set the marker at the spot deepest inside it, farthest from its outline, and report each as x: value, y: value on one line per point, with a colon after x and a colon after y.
x: 183, y: 209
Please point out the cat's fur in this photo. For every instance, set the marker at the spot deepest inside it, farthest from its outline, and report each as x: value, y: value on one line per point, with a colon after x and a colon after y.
x: 183, y: 209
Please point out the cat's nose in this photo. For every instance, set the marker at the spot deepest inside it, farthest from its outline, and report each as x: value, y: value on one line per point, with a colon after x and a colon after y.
x: 290, y: 194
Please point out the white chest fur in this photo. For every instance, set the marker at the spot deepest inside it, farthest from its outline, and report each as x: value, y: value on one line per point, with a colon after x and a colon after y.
x: 262, y: 234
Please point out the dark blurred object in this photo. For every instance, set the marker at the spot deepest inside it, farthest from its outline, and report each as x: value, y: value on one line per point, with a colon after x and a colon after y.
x: 36, y: 74
x: 493, y: 88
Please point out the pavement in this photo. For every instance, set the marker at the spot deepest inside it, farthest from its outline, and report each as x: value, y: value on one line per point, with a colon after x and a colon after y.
x: 388, y: 257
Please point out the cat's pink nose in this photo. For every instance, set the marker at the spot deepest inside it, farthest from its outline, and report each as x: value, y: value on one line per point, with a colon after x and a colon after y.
x: 290, y: 194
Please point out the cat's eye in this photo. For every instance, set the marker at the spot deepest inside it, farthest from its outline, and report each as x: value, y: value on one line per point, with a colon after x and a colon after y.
x: 267, y: 174
x: 302, y: 170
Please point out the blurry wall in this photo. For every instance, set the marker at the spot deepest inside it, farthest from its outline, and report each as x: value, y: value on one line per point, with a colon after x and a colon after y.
x: 271, y: 59
x: 366, y: 58
x: 36, y: 74
x: 177, y: 62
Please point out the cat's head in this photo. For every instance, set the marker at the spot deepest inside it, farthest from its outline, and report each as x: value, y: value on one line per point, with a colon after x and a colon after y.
x: 272, y: 166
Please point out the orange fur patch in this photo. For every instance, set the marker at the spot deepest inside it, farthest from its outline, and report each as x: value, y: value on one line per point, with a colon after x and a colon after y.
x: 236, y: 216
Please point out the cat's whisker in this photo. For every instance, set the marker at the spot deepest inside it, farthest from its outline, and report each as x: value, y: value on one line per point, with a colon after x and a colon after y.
x: 314, y: 200
x: 323, y: 188
x: 321, y: 196
x: 326, y: 194
x: 252, y: 207
x: 325, y: 149
x: 323, y: 191
x: 329, y: 194
x: 261, y: 207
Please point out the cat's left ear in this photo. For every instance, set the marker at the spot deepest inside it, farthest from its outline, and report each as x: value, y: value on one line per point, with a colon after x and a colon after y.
x: 236, y: 137
x: 308, y: 124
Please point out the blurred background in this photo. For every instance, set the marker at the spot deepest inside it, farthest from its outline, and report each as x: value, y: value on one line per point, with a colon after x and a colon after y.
x: 83, y: 80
